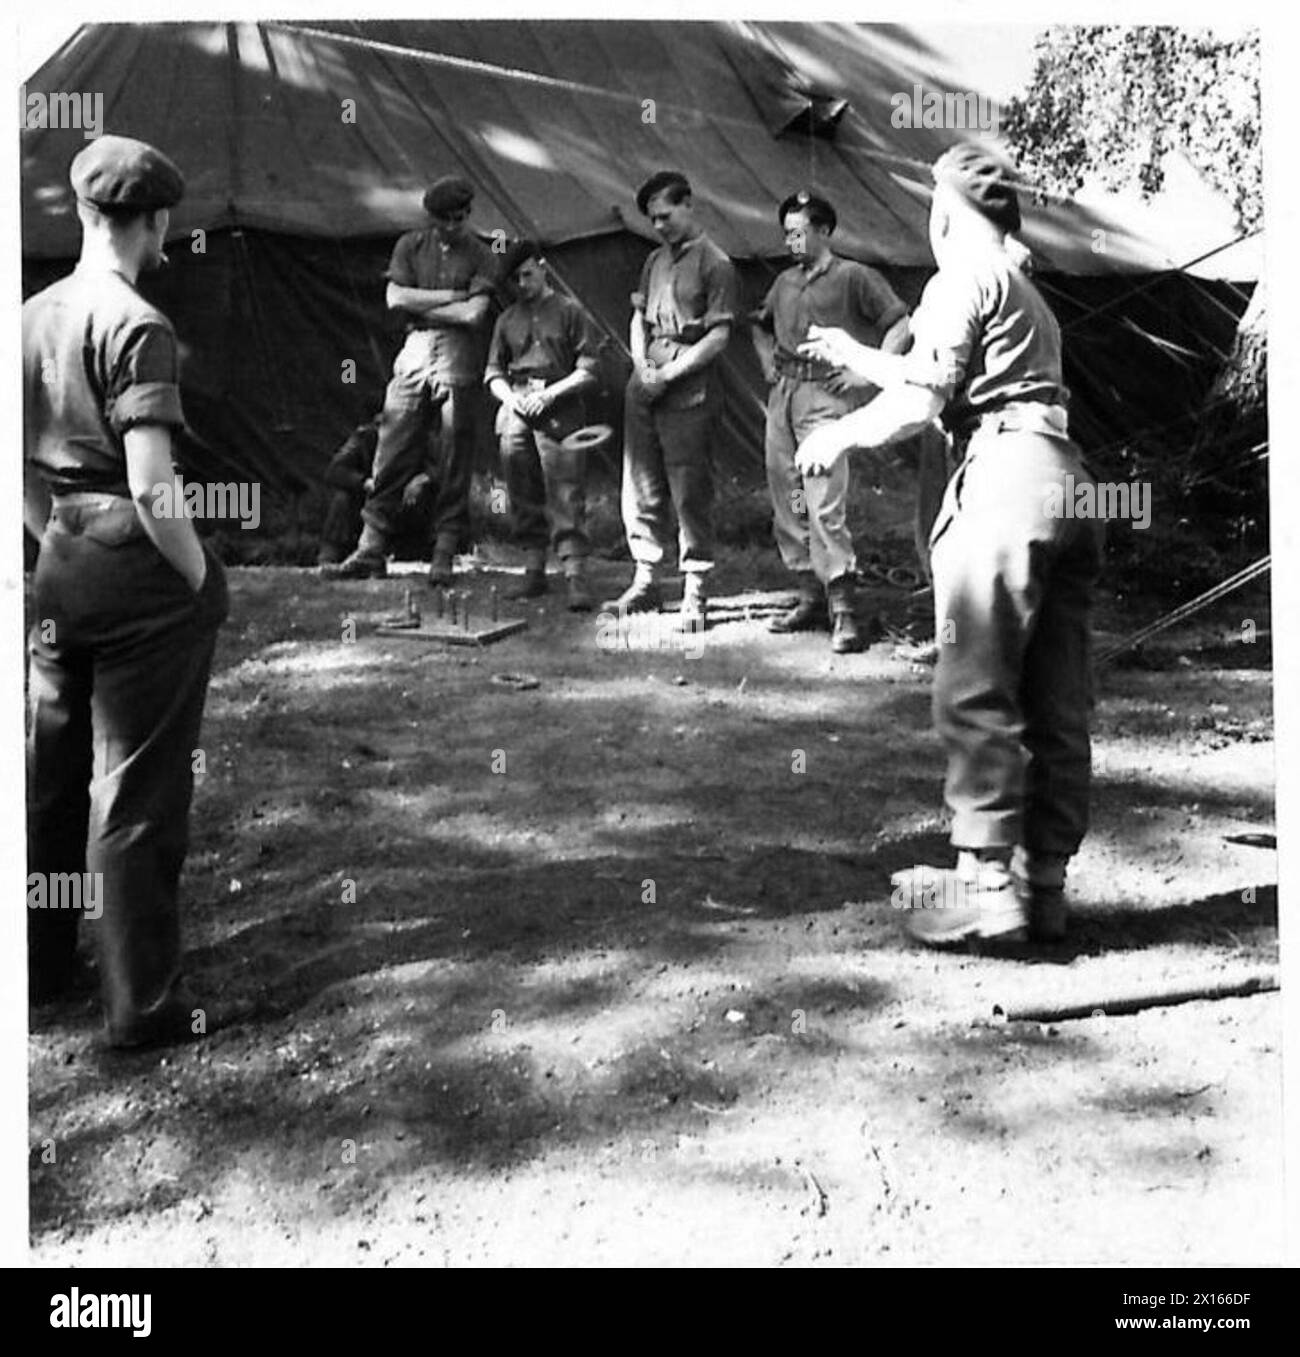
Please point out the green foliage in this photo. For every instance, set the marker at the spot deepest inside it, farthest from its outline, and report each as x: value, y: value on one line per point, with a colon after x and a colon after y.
x: 1112, y: 102
x: 1109, y: 104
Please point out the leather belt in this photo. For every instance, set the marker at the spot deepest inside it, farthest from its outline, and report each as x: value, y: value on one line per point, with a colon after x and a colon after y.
x: 802, y: 369
x: 1017, y: 417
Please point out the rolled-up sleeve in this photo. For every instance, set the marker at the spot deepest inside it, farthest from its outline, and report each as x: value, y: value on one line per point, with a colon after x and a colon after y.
x: 876, y: 301
x: 584, y: 341
x: 945, y: 327
x: 401, y: 267
x: 720, y: 296
x: 145, y: 384
x: 483, y: 283
x: 498, y: 357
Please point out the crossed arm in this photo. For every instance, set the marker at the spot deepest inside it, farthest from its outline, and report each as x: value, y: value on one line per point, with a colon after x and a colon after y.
x: 444, y: 308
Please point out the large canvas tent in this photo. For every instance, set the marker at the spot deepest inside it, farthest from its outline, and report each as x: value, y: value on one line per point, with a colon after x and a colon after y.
x: 306, y: 147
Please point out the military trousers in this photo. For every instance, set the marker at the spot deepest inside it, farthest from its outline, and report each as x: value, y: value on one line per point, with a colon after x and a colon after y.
x: 667, y: 469
x: 809, y: 513
x: 419, y: 404
x: 1013, y: 685
x: 547, y: 487
x: 120, y: 653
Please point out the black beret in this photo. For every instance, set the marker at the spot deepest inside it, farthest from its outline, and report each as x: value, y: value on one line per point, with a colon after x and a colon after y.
x: 983, y: 180
x: 451, y: 193
x: 673, y: 182
x: 820, y: 212
x: 127, y: 175
x: 518, y: 255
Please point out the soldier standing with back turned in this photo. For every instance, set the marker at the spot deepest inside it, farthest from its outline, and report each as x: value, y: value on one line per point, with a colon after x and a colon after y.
x: 127, y: 603
x: 1012, y: 578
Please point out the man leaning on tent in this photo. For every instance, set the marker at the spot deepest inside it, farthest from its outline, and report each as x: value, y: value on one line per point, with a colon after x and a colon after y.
x: 443, y: 280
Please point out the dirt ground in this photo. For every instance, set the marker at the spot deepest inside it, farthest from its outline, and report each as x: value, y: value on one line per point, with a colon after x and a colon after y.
x: 606, y: 971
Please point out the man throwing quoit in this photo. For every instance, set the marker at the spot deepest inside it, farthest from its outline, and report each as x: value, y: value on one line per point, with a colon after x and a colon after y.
x: 1012, y: 690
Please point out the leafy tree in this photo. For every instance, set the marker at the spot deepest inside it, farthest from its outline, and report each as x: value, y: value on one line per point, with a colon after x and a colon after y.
x: 1109, y: 104
x: 1113, y: 102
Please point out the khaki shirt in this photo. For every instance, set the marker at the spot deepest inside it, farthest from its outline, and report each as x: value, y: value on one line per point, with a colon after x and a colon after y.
x: 98, y: 360
x: 984, y: 337
x: 547, y: 339
x: 688, y: 290
x: 421, y: 260
x: 838, y: 292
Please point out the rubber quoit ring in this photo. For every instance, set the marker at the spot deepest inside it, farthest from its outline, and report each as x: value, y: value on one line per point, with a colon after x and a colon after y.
x: 519, y: 682
x: 903, y: 577
x: 584, y: 439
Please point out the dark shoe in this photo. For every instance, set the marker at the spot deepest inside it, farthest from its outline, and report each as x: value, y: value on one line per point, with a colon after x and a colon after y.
x: 808, y: 614
x: 638, y: 597
x: 169, y: 1025
x: 579, y: 595
x: 440, y: 571
x: 945, y: 909
x: 533, y: 585
x: 361, y: 565
x: 1045, y: 909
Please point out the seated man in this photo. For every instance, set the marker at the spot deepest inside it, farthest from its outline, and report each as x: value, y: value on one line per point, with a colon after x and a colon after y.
x: 542, y: 357
x: 350, y: 476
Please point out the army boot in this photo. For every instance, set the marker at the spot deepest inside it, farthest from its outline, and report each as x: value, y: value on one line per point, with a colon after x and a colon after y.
x: 641, y: 596
x: 809, y: 613
x: 533, y: 584
x: 365, y: 563
x: 579, y: 598
x: 692, y: 615
x: 845, y: 638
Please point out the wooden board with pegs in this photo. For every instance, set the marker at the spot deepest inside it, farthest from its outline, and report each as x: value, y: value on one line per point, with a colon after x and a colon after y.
x: 455, y: 622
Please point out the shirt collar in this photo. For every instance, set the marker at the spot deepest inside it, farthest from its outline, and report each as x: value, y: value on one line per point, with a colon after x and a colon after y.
x: 823, y: 266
